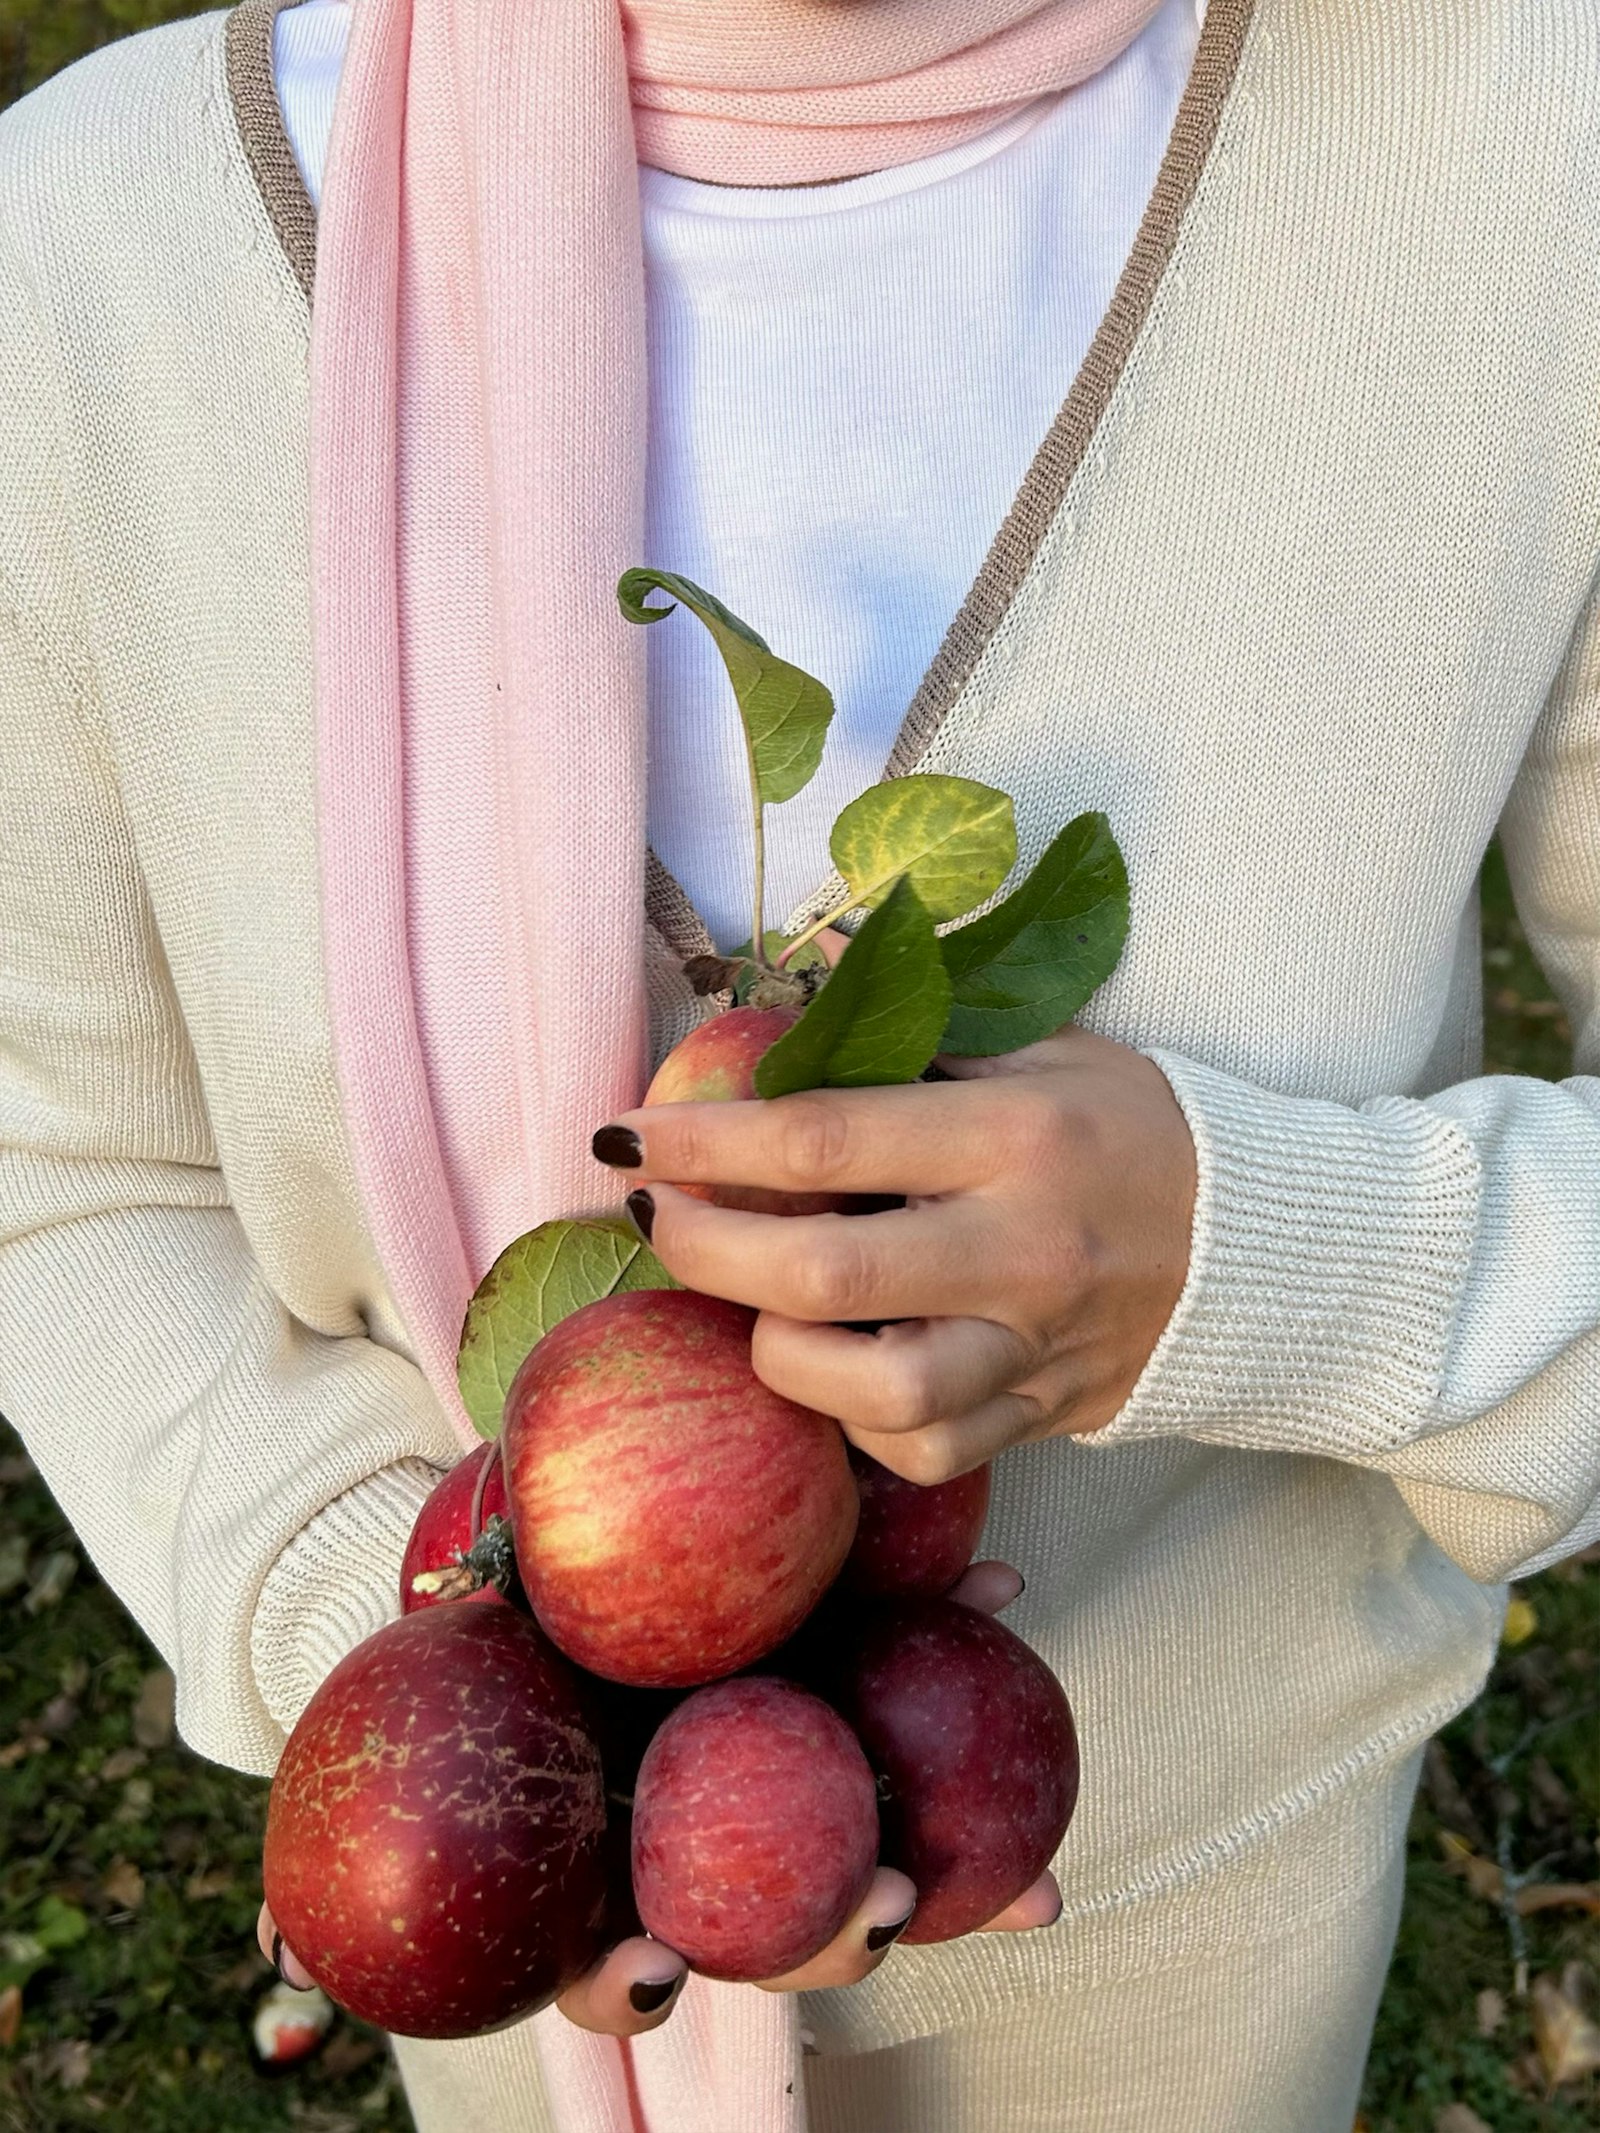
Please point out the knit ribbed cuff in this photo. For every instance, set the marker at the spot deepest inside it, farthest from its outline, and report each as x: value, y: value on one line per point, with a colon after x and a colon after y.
x: 1329, y: 1253
x: 336, y: 1582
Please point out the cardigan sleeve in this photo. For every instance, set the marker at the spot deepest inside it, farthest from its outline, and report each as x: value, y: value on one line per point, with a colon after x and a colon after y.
x: 244, y: 1481
x: 1414, y: 1285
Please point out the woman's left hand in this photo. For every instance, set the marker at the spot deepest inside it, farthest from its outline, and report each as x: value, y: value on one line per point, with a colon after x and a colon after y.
x: 1042, y: 1248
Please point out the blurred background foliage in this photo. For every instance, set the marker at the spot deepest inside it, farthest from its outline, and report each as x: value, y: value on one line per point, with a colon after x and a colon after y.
x: 128, y: 1871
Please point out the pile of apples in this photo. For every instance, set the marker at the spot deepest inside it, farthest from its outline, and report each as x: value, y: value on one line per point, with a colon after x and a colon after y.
x: 672, y: 1655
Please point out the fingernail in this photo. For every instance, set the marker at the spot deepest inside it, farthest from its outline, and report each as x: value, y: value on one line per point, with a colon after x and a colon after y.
x: 883, y: 1936
x: 1061, y: 1905
x: 277, y: 1959
x: 642, y: 1207
x: 648, y: 1997
x: 619, y: 1146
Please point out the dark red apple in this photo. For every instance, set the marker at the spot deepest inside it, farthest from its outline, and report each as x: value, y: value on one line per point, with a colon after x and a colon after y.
x: 716, y: 1063
x: 911, y: 1540
x: 674, y: 1519
x: 755, y: 1829
x: 456, y: 1551
x: 972, y: 1742
x: 434, y: 1851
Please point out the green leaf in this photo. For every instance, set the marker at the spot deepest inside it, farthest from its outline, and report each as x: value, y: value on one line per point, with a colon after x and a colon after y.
x: 58, y: 1925
x: 954, y: 840
x: 535, y: 1283
x: 786, y: 711
x: 880, y: 1016
x: 1025, y: 968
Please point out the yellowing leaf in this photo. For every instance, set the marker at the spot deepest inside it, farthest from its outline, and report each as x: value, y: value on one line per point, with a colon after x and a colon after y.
x: 954, y: 840
x: 1568, y: 2042
x: 1522, y: 1620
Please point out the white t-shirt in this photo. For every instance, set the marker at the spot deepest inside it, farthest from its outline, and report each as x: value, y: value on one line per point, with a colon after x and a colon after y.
x: 847, y: 384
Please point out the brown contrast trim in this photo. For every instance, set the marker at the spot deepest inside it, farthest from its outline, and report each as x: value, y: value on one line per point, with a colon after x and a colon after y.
x: 667, y: 906
x: 259, y: 118
x: 1194, y: 131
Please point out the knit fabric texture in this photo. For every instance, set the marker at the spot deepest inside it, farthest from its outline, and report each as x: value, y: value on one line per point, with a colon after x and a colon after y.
x: 1300, y: 589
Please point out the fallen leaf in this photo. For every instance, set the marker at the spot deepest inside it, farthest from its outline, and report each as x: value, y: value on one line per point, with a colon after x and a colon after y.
x: 50, y: 1584
x: 58, y: 1717
x: 124, y: 1886
x: 10, y: 2016
x: 348, y: 2051
x: 122, y: 1763
x: 137, y: 1797
x: 1559, y: 1896
x: 1491, y: 2008
x: 1459, y: 2118
x: 215, y: 1881
x: 1481, y: 1875
x: 153, y: 1709
x: 67, y: 2063
x: 1522, y: 1619
x: 1568, y: 2042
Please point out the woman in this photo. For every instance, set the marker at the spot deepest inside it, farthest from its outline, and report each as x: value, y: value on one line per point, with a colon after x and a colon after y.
x: 320, y: 971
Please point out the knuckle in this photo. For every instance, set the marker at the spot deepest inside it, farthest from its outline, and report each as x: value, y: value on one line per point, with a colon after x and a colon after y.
x: 830, y: 1280
x: 905, y: 1397
x: 813, y: 1139
x: 917, y: 1458
x: 1028, y: 1126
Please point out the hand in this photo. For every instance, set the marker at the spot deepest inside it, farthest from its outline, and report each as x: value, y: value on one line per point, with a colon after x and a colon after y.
x: 622, y: 1995
x: 1042, y: 1248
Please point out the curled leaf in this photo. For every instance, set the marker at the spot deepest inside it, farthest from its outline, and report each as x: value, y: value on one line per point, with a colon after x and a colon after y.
x: 786, y: 711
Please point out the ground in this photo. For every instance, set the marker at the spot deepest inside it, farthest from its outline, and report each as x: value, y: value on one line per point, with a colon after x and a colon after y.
x: 128, y: 1879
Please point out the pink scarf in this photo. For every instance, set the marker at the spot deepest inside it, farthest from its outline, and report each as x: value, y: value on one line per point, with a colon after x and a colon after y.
x: 479, y: 435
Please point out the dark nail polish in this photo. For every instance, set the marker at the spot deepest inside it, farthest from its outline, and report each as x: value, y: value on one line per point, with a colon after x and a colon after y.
x: 619, y: 1146
x: 277, y: 1958
x: 651, y: 1998
x: 642, y: 1207
x: 881, y: 1936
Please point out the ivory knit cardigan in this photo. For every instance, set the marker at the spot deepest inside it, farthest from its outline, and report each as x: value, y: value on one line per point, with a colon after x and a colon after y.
x: 1300, y: 589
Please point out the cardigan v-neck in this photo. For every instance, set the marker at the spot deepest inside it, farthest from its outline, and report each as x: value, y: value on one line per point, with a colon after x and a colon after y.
x: 1224, y: 23
x: 846, y: 385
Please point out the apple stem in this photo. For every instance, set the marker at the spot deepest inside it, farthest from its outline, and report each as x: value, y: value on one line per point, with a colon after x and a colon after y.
x: 475, y: 1523
x: 758, y: 822
x: 817, y: 925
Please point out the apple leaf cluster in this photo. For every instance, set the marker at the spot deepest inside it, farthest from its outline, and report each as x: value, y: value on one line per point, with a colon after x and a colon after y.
x: 914, y: 854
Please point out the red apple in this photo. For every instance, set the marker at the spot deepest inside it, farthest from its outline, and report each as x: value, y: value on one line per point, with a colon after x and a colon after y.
x: 755, y: 1829
x: 434, y: 1852
x: 674, y: 1519
x: 444, y: 1559
x: 716, y: 1063
x: 914, y: 1541
x: 972, y: 1742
